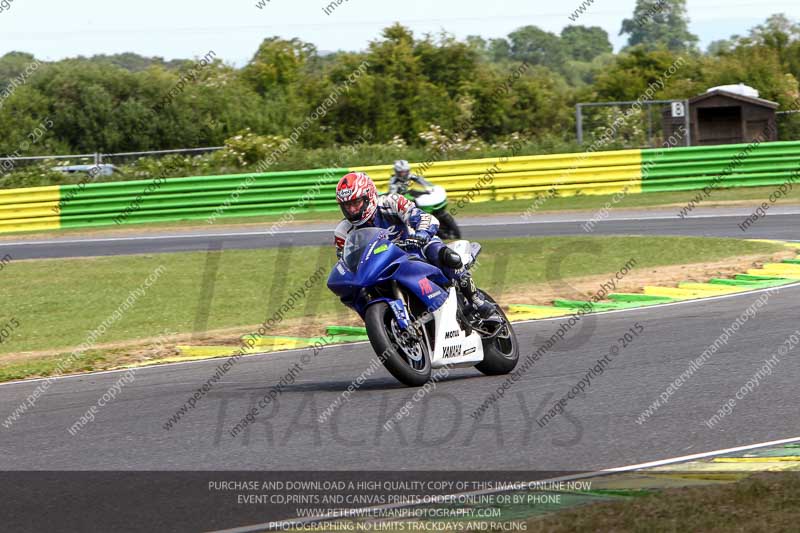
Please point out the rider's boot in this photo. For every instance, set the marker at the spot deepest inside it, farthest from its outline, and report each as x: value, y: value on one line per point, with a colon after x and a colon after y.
x: 485, y: 309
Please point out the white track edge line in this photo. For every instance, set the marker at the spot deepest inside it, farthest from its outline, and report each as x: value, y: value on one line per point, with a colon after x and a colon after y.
x: 283, y: 525
x: 294, y: 232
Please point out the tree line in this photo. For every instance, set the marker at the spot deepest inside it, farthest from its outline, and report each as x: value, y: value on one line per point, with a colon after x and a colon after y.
x: 418, y: 90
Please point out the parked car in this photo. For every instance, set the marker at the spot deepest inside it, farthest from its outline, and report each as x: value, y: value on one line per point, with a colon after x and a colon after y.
x: 95, y: 170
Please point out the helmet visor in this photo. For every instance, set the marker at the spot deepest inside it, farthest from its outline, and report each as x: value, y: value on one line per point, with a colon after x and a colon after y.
x: 353, y: 210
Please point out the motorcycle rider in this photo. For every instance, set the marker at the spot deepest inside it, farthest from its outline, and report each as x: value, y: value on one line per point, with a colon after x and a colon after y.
x: 401, y: 180
x: 362, y: 207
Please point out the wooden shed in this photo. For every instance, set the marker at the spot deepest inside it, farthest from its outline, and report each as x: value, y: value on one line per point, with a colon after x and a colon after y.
x: 724, y: 117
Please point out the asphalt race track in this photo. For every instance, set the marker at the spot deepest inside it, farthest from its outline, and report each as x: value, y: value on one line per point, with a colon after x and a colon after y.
x: 780, y: 223
x: 598, y: 429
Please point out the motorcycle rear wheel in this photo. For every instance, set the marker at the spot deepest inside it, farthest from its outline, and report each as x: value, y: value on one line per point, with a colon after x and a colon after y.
x: 407, y: 360
x: 448, y: 228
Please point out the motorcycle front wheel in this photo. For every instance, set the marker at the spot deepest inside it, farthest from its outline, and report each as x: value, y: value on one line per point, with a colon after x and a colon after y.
x: 403, y: 354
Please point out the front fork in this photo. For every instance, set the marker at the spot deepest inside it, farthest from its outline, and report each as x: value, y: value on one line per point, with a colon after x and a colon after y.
x: 400, y: 307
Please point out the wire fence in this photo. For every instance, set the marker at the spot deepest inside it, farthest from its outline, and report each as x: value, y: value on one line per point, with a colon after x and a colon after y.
x: 631, y: 124
x: 643, y: 129
x: 99, y: 158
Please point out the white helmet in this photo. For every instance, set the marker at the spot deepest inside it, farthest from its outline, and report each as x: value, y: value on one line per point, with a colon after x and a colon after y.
x: 402, y: 169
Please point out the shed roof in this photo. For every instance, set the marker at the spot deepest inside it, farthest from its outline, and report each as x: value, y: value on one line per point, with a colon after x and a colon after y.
x: 734, y: 96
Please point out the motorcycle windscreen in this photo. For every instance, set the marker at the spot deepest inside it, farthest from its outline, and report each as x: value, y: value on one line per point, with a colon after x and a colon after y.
x: 358, y: 241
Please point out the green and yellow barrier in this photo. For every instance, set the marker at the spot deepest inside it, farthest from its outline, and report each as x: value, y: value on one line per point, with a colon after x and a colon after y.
x: 498, y: 179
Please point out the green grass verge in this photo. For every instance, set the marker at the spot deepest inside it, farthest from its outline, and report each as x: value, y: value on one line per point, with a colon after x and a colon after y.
x: 45, y: 366
x: 764, y: 502
x: 57, y: 303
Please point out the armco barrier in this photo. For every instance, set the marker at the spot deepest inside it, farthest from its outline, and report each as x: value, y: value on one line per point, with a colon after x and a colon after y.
x: 203, y: 197
x: 130, y: 202
x: 529, y: 176
x: 739, y: 165
x: 239, y: 195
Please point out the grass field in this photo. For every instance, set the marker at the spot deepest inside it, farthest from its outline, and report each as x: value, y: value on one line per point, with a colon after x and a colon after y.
x: 764, y: 502
x: 57, y: 303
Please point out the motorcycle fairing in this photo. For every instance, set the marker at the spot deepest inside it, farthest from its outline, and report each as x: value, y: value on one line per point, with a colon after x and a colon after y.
x: 381, y: 262
x: 431, y: 200
x: 451, y: 346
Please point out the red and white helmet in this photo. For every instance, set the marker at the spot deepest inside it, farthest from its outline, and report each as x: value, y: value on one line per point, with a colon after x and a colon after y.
x: 358, y: 198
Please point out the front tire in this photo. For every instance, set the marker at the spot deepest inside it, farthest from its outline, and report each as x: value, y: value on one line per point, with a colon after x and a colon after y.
x: 410, y: 367
x: 500, y: 353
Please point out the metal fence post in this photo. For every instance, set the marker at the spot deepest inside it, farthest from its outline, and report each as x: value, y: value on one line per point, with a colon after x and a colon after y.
x: 688, y: 123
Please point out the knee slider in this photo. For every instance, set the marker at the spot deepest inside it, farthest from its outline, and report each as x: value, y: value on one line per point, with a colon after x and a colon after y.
x: 449, y: 258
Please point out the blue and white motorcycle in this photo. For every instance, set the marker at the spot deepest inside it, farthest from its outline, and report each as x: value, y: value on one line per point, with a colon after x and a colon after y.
x: 416, y: 319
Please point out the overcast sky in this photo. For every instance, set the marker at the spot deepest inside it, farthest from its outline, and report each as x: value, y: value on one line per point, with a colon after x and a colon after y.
x: 53, y: 29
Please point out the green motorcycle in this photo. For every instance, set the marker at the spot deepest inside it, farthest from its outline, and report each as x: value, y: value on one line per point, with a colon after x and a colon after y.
x: 433, y: 200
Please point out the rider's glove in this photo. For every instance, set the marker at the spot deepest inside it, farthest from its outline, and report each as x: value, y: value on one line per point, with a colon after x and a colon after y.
x: 423, y: 236
x: 420, y: 238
